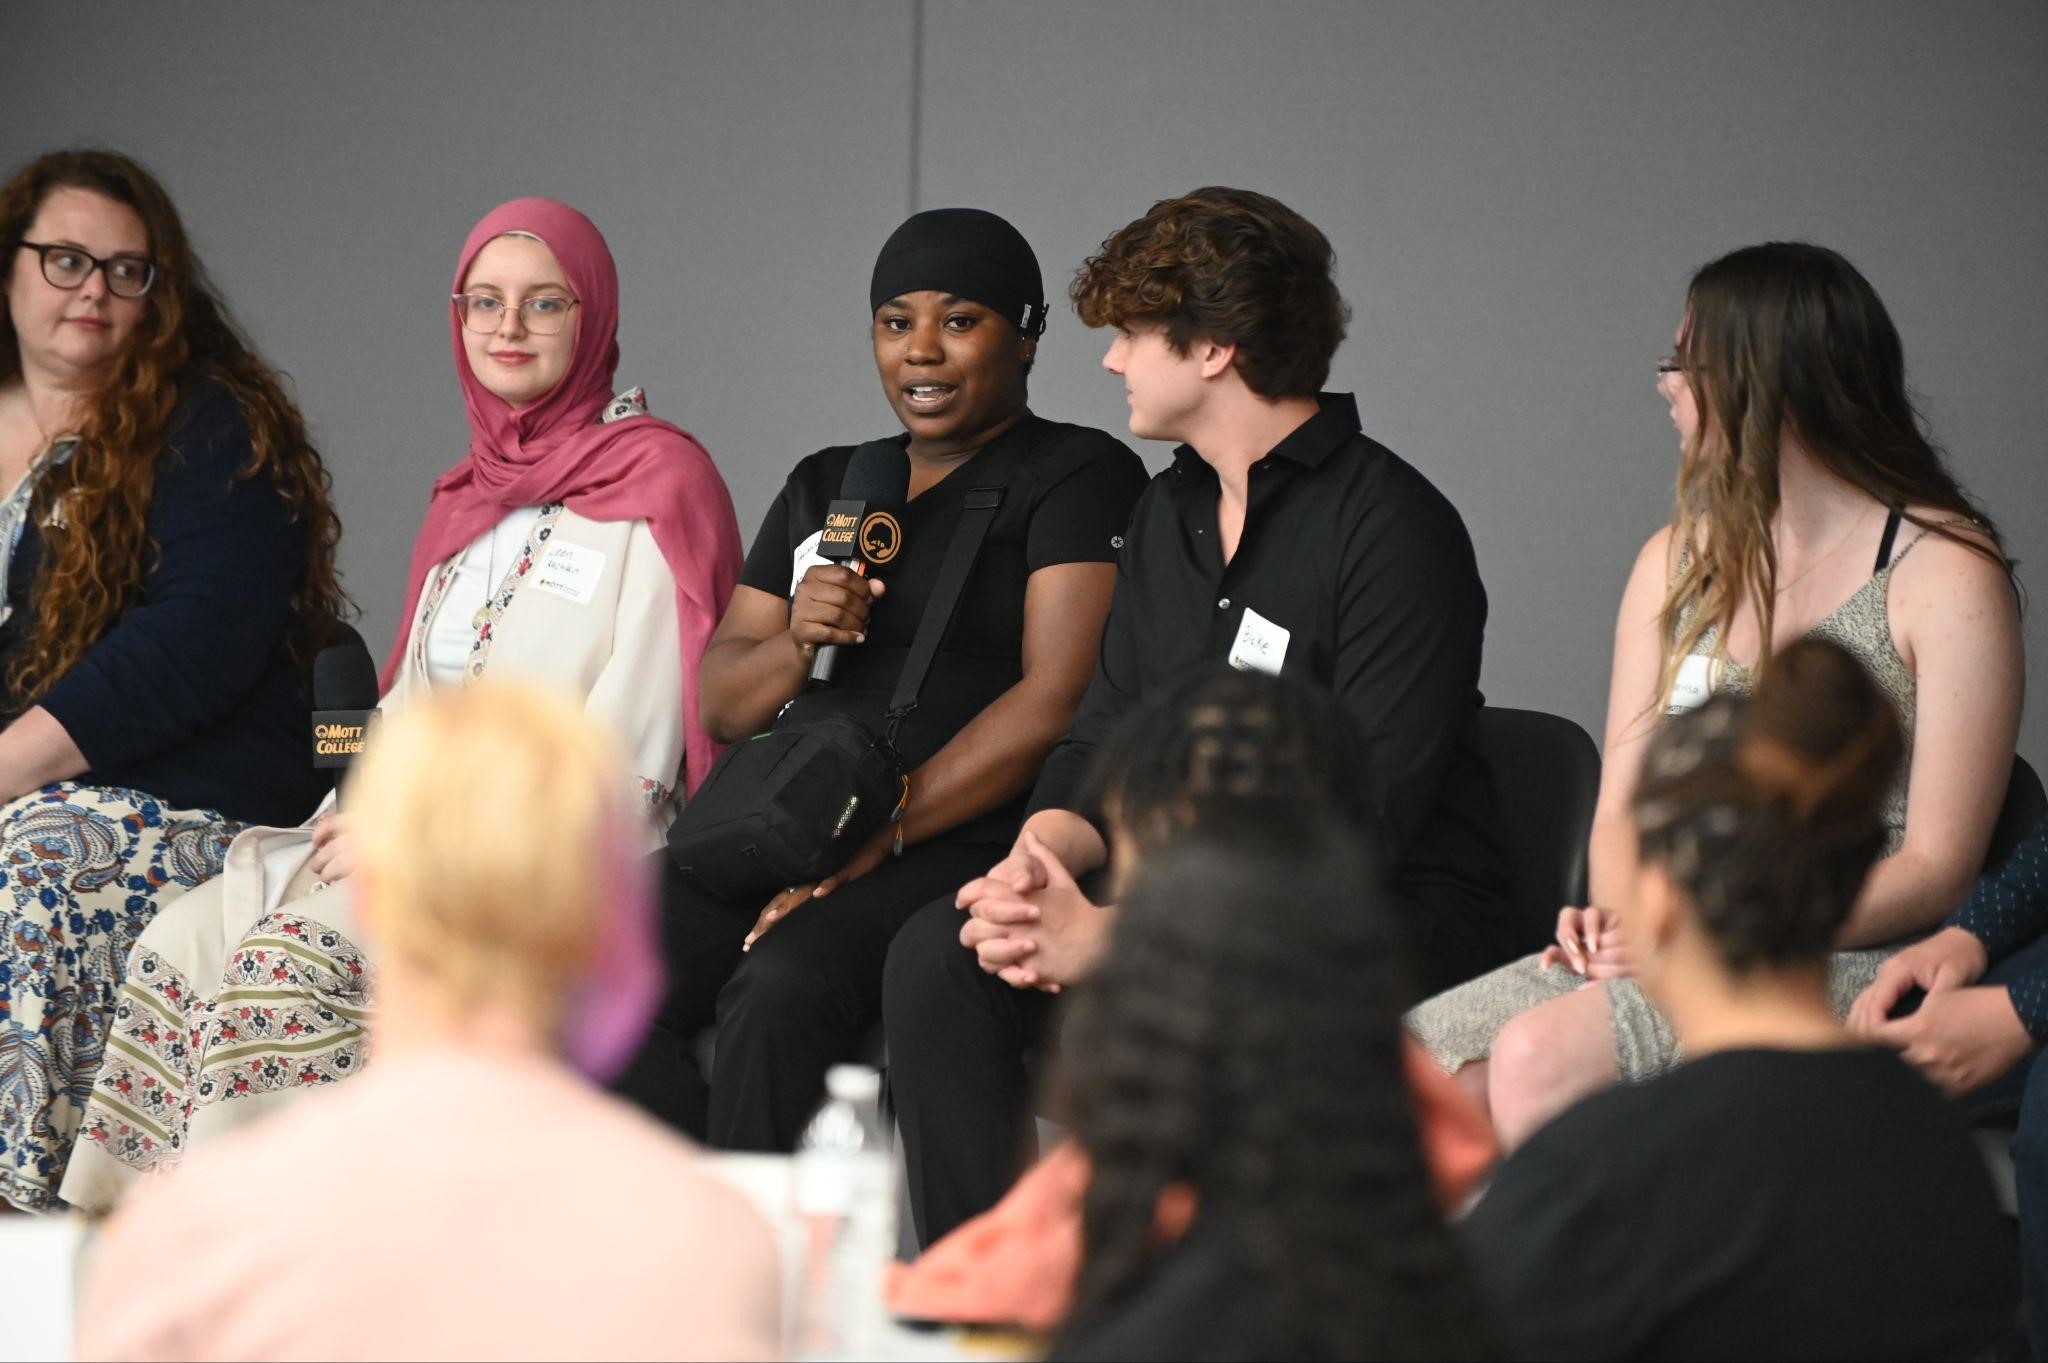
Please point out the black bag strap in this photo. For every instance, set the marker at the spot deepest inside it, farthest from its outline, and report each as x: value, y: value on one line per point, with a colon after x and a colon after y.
x: 977, y: 514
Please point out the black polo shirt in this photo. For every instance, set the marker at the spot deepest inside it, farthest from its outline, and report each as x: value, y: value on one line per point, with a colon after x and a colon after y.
x: 1068, y: 497
x: 1366, y: 571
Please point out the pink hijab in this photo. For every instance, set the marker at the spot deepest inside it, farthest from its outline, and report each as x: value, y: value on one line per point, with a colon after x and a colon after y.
x: 555, y: 450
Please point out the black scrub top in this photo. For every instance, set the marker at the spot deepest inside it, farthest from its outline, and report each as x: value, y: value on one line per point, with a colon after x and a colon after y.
x: 1752, y: 1204
x: 1067, y: 499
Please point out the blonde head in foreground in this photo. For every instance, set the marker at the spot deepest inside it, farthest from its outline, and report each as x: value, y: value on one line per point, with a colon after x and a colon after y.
x: 493, y: 830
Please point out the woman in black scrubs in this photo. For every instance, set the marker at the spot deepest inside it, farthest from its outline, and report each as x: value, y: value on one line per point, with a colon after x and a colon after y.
x: 958, y: 305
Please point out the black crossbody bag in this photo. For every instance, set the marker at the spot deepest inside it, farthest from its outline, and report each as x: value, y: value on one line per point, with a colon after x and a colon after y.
x: 789, y: 806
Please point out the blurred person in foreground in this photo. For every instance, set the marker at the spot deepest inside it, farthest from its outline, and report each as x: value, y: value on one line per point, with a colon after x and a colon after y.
x: 1786, y: 1192
x: 1235, y: 1073
x: 516, y: 969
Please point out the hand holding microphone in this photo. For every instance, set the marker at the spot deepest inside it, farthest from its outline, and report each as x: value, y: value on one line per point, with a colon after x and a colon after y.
x: 344, y: 708
x: 831, y: 607
x: 862, y: 529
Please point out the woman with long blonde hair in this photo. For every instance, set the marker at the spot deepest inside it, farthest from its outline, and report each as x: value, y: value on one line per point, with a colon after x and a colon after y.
x: 167, y: 553
x: 516, y: 967
x: 1810, y: 504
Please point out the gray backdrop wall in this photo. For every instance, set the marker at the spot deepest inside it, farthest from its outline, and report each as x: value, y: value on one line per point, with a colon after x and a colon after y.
x: 1517, y: 193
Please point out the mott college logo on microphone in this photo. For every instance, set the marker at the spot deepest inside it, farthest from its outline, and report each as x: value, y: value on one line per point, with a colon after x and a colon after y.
x: 339, y: 740
x: 338, y: 735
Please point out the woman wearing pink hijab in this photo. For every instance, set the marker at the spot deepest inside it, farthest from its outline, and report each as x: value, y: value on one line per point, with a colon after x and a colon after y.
x: 582, y: 545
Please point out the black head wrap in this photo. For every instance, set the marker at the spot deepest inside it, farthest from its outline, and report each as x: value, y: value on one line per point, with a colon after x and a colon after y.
x: 969, y: 253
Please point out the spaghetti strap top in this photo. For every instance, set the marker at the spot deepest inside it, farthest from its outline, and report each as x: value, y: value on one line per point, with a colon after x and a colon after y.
x: 1884, y: 546
x: 1861, y: 625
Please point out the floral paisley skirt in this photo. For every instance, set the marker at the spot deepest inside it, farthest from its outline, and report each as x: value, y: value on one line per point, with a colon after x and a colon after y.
x: 83, y: 871
x: 246, y: 994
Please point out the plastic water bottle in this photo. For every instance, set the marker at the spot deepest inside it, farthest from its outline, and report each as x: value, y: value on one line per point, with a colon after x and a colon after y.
x: 844, y: 1192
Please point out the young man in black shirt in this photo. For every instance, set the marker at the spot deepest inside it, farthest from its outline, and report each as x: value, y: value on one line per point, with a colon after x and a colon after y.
x: 1281, y: 538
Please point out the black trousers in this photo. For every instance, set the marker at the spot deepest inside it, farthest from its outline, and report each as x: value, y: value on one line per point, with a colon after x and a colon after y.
x: 958, y: 1039
x: 786, y: 1011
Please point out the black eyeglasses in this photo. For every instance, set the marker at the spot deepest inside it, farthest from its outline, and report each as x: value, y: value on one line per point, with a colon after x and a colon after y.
x: 68, y: 267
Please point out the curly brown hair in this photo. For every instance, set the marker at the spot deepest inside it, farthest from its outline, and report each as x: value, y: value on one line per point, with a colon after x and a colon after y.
x: 87, y: 580
x: 1228, y: 265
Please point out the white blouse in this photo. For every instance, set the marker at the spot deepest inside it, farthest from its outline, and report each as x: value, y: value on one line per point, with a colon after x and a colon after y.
x: 476, y: 572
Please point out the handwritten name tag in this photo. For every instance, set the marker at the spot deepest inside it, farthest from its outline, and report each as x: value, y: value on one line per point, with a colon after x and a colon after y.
x: 569, y: 570
x: 804, y: 559
x: 1697, y: 677
x: 1261, y: 645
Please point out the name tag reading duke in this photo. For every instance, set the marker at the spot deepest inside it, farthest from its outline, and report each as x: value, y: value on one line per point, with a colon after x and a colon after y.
x: 569, y: 570
x: 1261, y: 645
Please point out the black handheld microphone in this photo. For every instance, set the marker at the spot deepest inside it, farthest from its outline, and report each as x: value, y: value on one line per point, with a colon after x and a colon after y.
x: 344, y: 699
x: 862, y: 528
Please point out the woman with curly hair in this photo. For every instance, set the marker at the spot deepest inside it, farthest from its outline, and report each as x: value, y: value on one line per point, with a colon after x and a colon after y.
x: 167, y: 548
x: 1788, y: 1192
x: 1235, y: 1074
x: 581, y: 544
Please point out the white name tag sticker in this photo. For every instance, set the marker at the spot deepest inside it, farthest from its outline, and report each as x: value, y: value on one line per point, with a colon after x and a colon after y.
x: 569, y: 570
x: 1695, y: 682
x: 804, y: 559
x: 1261, y: 645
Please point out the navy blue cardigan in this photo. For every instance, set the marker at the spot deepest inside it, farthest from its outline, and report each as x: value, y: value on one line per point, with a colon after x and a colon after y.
x: 190, y: 696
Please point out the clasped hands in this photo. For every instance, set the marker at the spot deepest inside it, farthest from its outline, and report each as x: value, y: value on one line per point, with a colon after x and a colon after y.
x: 1029, y: 924
x: 1964, y: 1034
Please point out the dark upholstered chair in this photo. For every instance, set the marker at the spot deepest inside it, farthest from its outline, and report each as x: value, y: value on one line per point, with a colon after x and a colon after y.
x: 1546, y: 777
x: 2026, y: 804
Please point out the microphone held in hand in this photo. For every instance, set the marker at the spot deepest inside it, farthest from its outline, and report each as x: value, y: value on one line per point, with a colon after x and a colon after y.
x: 863, y: 528
x: 344, y: 699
